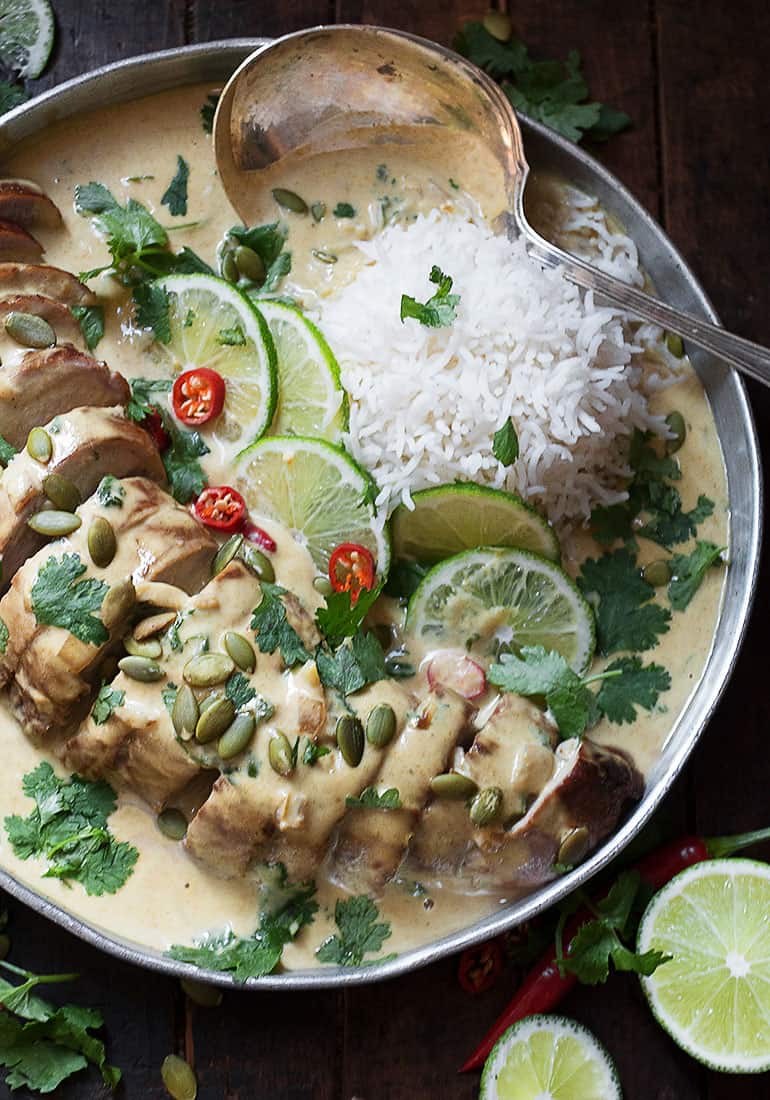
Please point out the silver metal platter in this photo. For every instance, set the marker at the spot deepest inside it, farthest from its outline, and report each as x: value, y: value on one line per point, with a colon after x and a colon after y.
x: 546, y: 151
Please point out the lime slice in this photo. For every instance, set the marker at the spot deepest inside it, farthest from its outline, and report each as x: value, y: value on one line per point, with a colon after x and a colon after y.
x: 26, y: 35
x: 311, y: 400
x: 316, y: 490
x: 214, y: 325
x: 452, y: 518
x: 491, y: 596
x: 549, y: 1058
x: 713, y: 996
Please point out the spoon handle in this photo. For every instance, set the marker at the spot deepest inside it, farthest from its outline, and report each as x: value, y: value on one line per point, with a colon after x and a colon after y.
x: 747, y: 357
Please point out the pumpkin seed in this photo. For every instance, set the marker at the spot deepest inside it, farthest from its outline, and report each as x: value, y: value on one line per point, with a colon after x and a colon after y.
x: 350, y: 739
x: 257, y: 562
x: 62, y: 493
x: 54, y: 524
x: 151, y: 647
x: 573, y: 847
x: 214, y: 720
x: 323, y: 256
x: 241, y: 651
x: 226, y: 553
x: 29, y: 330
x: 229, y: 268
x: 207, y: 996
x: 195, y: 645
x: 657, y: 573
x: 249, y: 264
x: 142, y: 669
x: 172, y: 823
x: 102, y: 543
x: 498, y: 24
x: 323, y: 585
x: 209, y: 700
x: 380, y: 725
x: 185, y: 712
x: 454, y: 786
x: 318, y: 209
x: 290, y: 200
x: 486, y: 806
x: 237, y: 736
x: 39, y: 445
x: 153, y: 625
x: 208, y: 669
x: 676, y: 424
x: 118, y: 602
x: 179, y: 1079
x: 675, y: 345
x: 280, y: 755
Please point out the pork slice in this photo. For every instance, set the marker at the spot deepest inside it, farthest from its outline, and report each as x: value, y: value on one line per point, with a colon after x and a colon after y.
x: 52, y: 282
x: 87, y: 443
x: 44, y: 384
x: 23, y: 202
x: 58, y: 316
x: 17, y: 243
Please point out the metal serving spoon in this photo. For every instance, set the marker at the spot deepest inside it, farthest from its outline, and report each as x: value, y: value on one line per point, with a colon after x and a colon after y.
x: 344, y: 87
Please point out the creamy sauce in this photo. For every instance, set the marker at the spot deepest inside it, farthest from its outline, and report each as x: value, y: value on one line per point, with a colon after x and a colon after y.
x: 171, y: 897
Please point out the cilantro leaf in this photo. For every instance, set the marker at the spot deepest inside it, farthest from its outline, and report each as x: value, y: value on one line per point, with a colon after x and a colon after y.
x: 186, y: 478
x: 207, y: 112
x: 544, y: 673
x: 440, y: 310
x: 268, y: 242
x: 358, y: 933
x: 68, y: 827
x: 140, y: 403
x: 11, y: 95
x: 3, y: 636
x: 94, y: 198
x: 239, y: 691
x: 340, y: 618
x: 168, y: 695
x: 108, y: 700
x: 344, y: 210
x: 59, y: 598
x: 313, y: 752
x: 688, y: 570
x: 151, y: 306
x: 353, y: 665
x: 638, y: 686
x: 232, y: 337
x: 175, y: 195
x: 625, y: 619
x: 91, y: 321
x: 109, y: 492
x: 371, y: 799
x: 7, y: 451
x: 187, y: 262
x: 273, y: 629
x: 669, y: 526
x: 505, y: 444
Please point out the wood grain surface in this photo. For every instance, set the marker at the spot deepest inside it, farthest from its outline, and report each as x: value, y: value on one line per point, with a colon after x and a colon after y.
x: 693, y: 79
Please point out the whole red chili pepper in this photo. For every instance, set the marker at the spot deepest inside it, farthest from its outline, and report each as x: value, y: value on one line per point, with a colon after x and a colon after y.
x: 544, y: 987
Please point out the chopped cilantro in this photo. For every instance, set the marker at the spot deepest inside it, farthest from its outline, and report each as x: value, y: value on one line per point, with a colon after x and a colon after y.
x: 371, y: 799
x: 207, y: 112
x: 7, y: 451
x: 670, y: 525
x: 140, y: 403
x: 273, y: 630
x: 168, y: 695
x: 110, y: 493
x: 344, y: 210
x: 440, y: 310
x: 185, y: 475
x: 358, y: 933
x: 688, y: 570
x: 352, y: 665
x: 60, y: 599
x: 175, y: 195
x: 3, y: 636
x: 91, y: 321
x: 313, y: 752
x: 340, y: 619
x: 620, y: 596
x: 232, y: 337
x: 268, y: 242
x: 505, y: 444
x: 108, y: 700
x: 239, y: 691
x: 151, y: 307
x: 68, y: 827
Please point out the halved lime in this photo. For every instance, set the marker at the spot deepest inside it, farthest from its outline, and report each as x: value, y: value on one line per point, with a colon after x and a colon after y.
x: 26, y: 35
x: 490, y: 596
x: 549, y: 1058
x: 214, y: 325
x: 713, y: 996
x: 311, y: 400
x: 452, y: 518
x: 316, y: 490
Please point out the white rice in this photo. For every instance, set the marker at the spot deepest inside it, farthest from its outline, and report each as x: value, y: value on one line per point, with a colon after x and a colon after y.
x: 527, y: 344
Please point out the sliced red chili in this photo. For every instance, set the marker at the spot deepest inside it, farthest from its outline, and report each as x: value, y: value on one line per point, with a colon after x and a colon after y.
x: 220, y: 507
x: 259, y: 537
x: 153, y: 425
x: 480, y: 967
x: 198, y: 396
x: 351, y: 569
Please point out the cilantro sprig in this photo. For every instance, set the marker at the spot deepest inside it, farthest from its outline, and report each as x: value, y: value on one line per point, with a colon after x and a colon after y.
x: 352, y: 665
x: 273, y: 630
x: 688, y: 571
x: 269, y: 242
x: 180, y: 459
x: 440, y: 310
x: 60, y: 598
x: 106, y: 703
x: 175, y: 195
x: 626, y: 617
x: 359, y: 933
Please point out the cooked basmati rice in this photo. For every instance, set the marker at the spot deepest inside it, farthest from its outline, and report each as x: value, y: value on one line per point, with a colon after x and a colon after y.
x: 425, y: 403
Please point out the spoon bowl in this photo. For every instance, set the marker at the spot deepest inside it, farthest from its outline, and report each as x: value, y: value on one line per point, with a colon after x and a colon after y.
x: 338, y: 88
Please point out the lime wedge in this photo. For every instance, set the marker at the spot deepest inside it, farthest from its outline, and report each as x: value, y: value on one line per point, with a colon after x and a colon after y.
x: 549, y: 1058
x: 491, y: 596
x: 452, y: 518
x: 26, y: 35
x: 214, y: 325
x: 316, y: 490
x: 713, y: 996
x: 311, y: 400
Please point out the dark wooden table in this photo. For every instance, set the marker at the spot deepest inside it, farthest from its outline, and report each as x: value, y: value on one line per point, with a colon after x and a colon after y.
x: 694, y: 79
